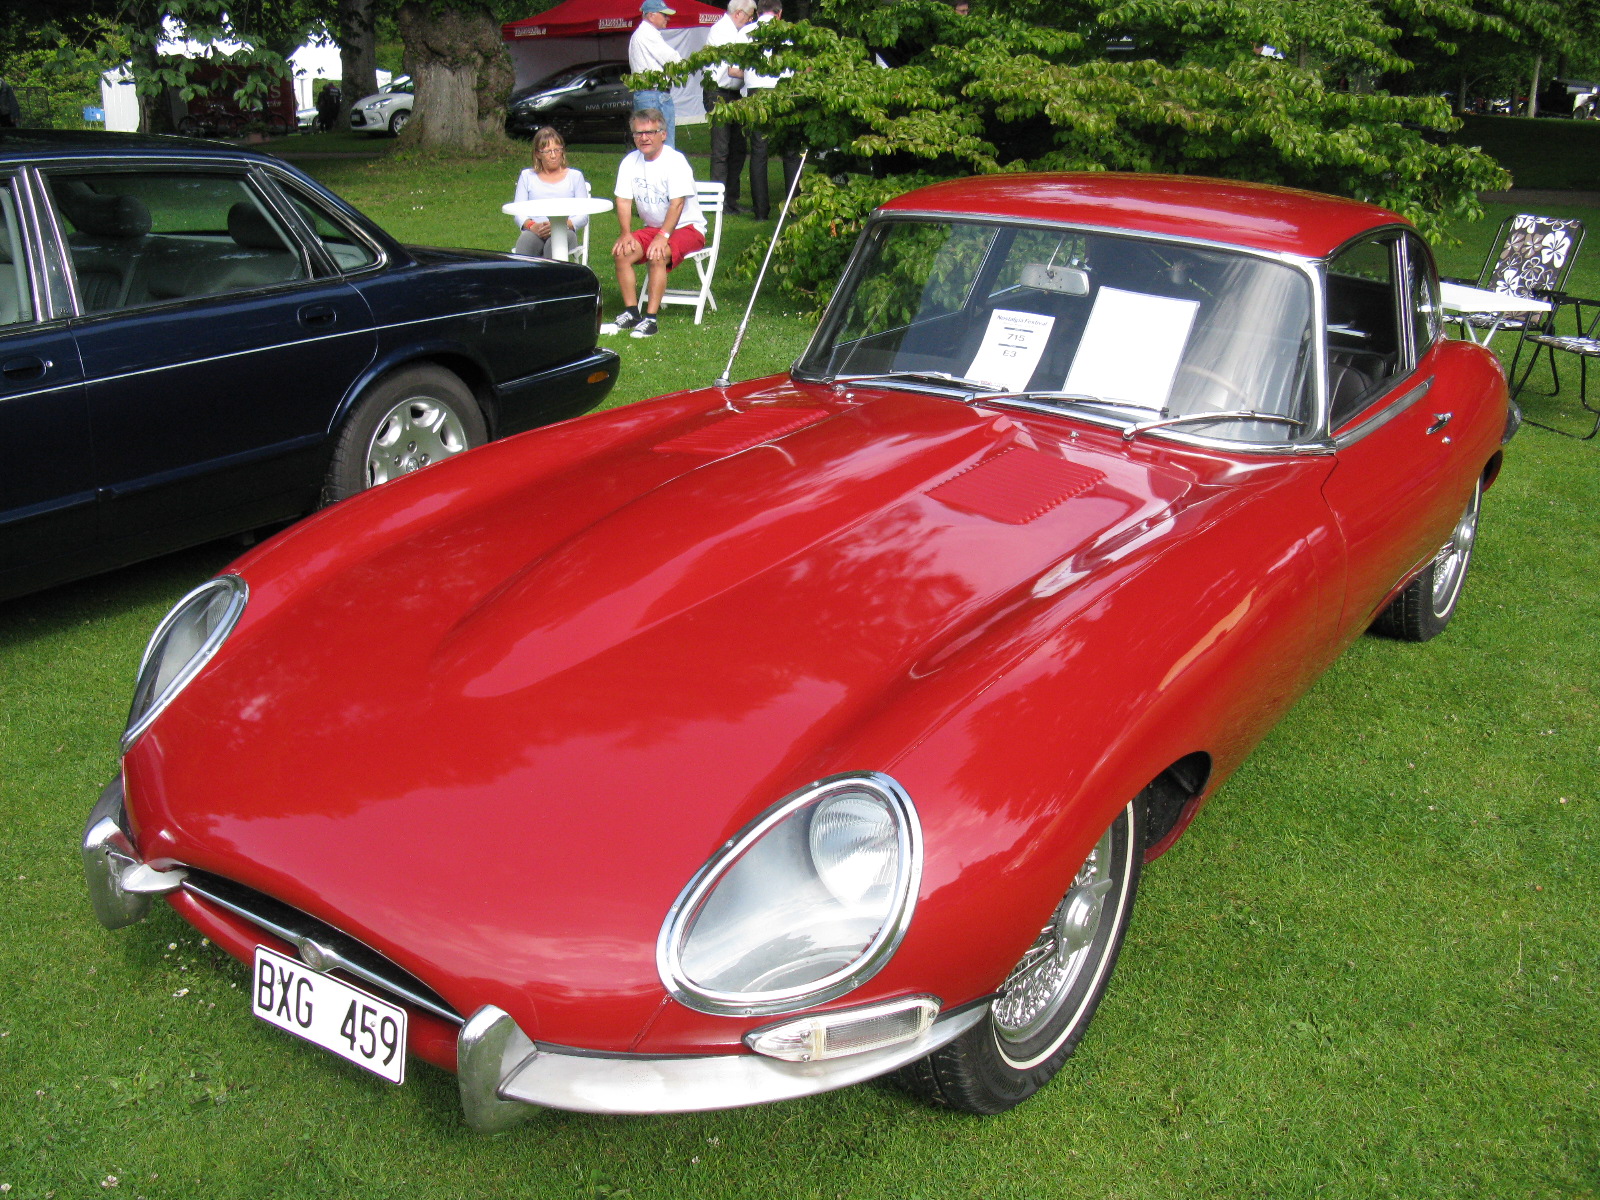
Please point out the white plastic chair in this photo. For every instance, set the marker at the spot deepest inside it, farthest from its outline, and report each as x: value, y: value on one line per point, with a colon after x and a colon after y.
x: 705, y: 261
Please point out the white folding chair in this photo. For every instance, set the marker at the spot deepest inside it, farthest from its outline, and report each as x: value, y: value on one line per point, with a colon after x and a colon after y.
x: 705, y: 261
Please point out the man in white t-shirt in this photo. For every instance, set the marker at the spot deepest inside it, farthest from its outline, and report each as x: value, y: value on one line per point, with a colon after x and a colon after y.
x: 760, y: 205
x: 648, y: 51
x: 659, y: 182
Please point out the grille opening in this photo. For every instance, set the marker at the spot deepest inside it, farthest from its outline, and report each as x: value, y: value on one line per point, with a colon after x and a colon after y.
x: 360, y: 962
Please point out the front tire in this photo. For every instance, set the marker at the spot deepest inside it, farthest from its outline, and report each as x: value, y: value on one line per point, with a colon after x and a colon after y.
x: 1425, y: 605
x: 1051, y: 994
x: 406, y: 421
x: 398, y: 121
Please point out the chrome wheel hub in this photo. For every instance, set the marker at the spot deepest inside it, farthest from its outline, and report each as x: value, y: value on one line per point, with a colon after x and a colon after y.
x: 1037, y: 986
x: 411, y: 435
x: 1450, y: 566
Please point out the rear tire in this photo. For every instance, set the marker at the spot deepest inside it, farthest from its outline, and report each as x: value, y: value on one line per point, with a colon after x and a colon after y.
x: 1425, y: 605
x: 406, y: 421
x: 1051, y: 995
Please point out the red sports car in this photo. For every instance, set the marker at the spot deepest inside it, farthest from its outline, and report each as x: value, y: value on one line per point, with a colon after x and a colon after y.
x: 755, y: 741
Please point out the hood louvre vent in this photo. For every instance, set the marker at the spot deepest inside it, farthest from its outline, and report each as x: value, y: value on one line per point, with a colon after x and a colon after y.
x: 742, y: 430
x: 1016, y: 485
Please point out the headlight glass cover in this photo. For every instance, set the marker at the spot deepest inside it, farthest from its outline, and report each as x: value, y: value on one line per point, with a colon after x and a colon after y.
x: 804, y: 904
x: 183, y: 643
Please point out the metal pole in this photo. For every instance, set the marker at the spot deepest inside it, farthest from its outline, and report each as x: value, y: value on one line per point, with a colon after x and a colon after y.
x: 725, y: 378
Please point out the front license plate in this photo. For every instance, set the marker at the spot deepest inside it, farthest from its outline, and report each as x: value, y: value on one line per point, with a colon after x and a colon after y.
x: 353, y: 1024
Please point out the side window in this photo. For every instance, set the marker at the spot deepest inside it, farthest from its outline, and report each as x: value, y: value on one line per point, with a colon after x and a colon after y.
x: 138, y: 238
x: 16, y: 297
x: 1422, y: 289
x: 1365, y: 348
x: 348, y: 251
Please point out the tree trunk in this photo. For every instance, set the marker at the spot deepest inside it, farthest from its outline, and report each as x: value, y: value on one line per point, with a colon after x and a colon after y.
x: 1462, y: 106
x: 462, y: 73
x: 1533, y: 88
x: 358, y: 55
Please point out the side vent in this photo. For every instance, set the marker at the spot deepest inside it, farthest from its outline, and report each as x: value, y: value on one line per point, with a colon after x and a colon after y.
x: 731, y: 434
x: 1016, y: 486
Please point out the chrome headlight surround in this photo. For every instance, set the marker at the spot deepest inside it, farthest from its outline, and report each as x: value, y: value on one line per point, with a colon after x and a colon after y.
x: 898, y: 903
x: 202, y: 620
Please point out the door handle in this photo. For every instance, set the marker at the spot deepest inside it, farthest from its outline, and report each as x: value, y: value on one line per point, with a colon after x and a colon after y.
x: 318, y: 316
x: 25, y: 369
x: 1440, y: 420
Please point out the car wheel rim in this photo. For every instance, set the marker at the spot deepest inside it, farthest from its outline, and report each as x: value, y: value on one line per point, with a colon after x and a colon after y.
x: 1039, y: 985
x: 1450, y: 566
x: 413, y: 434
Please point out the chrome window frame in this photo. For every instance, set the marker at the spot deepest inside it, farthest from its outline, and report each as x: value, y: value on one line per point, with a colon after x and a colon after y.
x: 1314, y: 439
x: 284, y: 187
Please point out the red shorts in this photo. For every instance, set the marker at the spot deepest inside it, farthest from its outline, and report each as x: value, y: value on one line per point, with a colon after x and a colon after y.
x: 683, y: 241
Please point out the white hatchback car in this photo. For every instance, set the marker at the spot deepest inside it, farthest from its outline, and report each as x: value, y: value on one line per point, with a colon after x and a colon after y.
x: 386, y: 112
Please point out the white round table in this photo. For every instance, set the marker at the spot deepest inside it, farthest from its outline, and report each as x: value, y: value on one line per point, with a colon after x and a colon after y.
x: 556, y: 211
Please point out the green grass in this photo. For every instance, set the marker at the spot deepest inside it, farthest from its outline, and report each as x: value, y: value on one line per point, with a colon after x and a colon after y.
x: 1540, y: 152
x: 1369, y: 970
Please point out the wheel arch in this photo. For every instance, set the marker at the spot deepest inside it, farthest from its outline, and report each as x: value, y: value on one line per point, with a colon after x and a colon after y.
x: 457, y: 361
x: 1171, y: 800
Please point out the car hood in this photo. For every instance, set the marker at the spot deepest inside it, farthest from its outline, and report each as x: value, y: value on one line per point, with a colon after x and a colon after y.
x: 492, y: 718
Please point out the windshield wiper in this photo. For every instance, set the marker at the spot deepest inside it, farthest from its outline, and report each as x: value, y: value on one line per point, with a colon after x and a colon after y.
x: 1239, y: 414
x: 1066, y: 398
x: 912, y: 377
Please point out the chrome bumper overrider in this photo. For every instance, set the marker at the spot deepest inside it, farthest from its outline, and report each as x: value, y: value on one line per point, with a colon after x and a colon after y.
x: 502, y: 1072
x: 120, y: 886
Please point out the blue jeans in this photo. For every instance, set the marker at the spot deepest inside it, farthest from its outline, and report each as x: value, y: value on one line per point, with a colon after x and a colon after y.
x: 663, y: 101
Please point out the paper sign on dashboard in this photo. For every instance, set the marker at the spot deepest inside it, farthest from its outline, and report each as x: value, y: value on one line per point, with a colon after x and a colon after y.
x: 1012, y: 347
x: 1131, y: 347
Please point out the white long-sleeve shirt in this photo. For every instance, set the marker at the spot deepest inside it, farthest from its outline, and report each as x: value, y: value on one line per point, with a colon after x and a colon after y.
x: 648, y: 50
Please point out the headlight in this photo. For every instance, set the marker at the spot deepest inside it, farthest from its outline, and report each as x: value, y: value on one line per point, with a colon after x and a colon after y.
x: 806, y: 903
x: 182, y: 644
x: 539, y: 102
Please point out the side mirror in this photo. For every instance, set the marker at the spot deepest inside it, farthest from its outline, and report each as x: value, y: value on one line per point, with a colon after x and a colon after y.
x: 590, y: 84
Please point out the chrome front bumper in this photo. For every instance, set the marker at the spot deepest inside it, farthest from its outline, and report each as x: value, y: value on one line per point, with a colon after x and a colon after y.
x: 503, y: 1074
x: 120, y: 885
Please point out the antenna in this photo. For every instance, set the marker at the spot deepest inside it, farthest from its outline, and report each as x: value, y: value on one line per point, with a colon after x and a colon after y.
x: 725, y: 378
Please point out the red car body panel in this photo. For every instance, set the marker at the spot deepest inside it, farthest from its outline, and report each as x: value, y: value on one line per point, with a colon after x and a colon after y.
x: 491, y: 718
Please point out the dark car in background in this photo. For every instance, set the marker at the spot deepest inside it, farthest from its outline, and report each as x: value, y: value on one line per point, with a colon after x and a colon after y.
x: 196, y: 341
x: 587, y: 99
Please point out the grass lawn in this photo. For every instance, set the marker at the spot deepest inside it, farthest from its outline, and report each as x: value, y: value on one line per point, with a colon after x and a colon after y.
x: 1369, y: 970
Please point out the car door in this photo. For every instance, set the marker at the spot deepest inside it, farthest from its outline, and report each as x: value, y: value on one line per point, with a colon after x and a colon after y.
x: 1399, y: 484
x: 215, y: 344
x: 47, y: 492
x: 606, y: 97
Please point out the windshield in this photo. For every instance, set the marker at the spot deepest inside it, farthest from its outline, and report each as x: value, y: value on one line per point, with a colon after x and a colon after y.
x: 1155, y: 329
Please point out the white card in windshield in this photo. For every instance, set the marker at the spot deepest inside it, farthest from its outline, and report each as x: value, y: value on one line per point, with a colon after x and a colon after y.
x: 1012, y: 347
x: 1131, y: 347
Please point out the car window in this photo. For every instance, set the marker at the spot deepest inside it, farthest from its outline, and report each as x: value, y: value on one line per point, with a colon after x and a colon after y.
x: 16, y: 298
x: 1422, y: 289
x: 153, y: 237
x: 347, y: 250
x: 1365, y: 350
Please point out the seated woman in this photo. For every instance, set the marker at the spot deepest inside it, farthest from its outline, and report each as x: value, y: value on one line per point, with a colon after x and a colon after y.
x: 548, y: 179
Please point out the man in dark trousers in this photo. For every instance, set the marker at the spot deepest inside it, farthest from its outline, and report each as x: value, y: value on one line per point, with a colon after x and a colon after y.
x: 723, y: 84
x: 760, y: 205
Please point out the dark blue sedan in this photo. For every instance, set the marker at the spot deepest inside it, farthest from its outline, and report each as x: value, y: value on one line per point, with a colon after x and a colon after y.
x: 196, y: 340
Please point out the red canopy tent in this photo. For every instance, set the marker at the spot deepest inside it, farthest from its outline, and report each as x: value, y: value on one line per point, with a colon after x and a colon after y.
x: 580, y: 31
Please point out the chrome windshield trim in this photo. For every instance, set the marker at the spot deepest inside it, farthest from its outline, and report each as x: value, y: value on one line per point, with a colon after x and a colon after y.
x: 1384, y: 415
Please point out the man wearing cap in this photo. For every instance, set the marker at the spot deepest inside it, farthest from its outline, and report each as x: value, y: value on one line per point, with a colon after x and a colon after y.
x: 723, y: 85
x: 648, y: 51
x: 659, y: 182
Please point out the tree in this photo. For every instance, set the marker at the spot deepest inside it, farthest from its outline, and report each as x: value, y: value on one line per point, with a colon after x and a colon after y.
x: 462, y: 73
x: 1251, y: 89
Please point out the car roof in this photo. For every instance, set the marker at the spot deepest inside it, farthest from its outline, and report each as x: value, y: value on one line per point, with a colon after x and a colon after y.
x: 18, y: 145
x: 1254, y: 215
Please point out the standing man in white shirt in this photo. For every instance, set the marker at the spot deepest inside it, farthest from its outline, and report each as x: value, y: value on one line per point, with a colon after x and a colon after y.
x: 766, y: 10
x: 648, y: 51
x: 723, y: 84
x: 658, y: 181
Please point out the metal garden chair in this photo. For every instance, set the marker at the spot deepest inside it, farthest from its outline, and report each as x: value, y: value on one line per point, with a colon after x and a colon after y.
x: 1585, y: 343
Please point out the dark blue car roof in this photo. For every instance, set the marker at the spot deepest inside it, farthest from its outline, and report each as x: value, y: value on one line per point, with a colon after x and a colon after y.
x: 32, y: 144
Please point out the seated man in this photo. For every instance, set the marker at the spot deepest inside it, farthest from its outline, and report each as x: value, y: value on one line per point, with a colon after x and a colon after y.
x: 659, y: 181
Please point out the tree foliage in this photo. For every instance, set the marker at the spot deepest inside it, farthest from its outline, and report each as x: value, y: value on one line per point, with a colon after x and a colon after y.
x: 1250, y: 89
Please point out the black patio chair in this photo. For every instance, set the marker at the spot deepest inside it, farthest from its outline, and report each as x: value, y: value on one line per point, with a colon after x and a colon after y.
x: 1585, y: 343
x: 1532, y: 257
